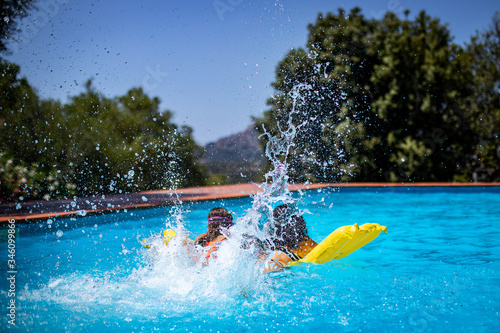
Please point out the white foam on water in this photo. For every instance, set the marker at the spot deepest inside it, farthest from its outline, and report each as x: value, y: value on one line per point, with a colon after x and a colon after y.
x: 169, y: 280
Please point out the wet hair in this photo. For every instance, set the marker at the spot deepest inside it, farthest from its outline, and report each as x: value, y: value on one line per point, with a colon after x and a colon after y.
x: 219, y: 214
x: 290, y: 228
x: 218, y: 218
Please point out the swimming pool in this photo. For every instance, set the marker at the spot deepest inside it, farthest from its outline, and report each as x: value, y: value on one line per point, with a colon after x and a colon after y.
x: 435, y: 270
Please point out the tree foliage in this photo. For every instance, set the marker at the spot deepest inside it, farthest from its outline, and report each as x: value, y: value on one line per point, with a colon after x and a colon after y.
x: 389, y: 100
x: 483, y: 104
x: 10, y: 12
x: 330, y: 130
x: 93, y: 144
x: 417, y: 82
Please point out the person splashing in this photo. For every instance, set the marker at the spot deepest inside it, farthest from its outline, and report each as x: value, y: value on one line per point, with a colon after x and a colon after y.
x: 290, y: 241
x: 219, y: 221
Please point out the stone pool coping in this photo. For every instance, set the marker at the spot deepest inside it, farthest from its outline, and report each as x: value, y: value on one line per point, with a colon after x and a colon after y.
x: 33, y: 211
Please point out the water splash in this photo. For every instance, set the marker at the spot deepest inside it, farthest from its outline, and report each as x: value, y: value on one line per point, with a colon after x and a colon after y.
x: 276, y: 187
x: 174, y: 276
x: 175, y: 270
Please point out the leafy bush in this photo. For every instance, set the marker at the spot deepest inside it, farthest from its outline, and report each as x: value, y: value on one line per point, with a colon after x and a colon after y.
x: 19, y: 181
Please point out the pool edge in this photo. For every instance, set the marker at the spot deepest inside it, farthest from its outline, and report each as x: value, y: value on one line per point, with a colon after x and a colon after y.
x: 196, y: 194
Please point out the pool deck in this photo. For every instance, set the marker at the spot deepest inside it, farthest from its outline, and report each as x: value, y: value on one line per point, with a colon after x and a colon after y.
x: 33, y: 211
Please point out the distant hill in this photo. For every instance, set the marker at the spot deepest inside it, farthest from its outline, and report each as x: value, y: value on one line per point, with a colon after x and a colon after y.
x: 235, y: 159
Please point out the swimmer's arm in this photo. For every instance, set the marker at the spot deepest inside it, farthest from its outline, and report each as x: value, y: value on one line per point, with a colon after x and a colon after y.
x: 278, y: 261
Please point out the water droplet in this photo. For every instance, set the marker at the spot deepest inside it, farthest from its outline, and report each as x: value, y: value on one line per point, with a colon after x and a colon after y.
x: 6, y: 19
x: 144, y: 198
x: 131, y: 173
x: 81, y: 212
x: 59, y: 233
x: 343, y: 95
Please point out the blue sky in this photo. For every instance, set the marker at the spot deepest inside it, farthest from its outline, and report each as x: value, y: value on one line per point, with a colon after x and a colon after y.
x: 210, y: 62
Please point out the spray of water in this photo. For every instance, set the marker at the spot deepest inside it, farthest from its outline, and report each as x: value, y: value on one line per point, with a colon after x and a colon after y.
x: 276, y: 187
x: 177, y: 270
x: 174, y: 277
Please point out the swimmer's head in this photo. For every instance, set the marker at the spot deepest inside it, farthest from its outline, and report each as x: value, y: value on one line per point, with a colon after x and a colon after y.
x: 219, y: 218
x: 290, y: 228
x: 220, y: 215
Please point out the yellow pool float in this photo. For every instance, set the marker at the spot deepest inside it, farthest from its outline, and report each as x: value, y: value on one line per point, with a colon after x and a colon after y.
x: 342, y: 242
x: 339, y: 244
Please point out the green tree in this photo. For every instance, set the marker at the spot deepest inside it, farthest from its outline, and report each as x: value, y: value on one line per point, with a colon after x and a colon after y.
x: 125, y: 144
x: 418, y: 84
x: 333, y: 105
x: 383, y: 100
x: 20, y: 114
x: 91, y: 145
x: 482, y: 106
x: 28, y: 141
x: 10, y: 12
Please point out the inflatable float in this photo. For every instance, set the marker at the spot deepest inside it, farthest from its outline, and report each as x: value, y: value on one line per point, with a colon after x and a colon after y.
x: 342, y: 242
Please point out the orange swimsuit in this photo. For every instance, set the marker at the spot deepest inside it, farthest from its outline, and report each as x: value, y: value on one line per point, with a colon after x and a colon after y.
x: 213, y: 246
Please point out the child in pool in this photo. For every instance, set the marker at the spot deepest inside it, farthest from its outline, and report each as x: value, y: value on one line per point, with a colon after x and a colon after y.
x: 290, y: 241
x: 218, y: 219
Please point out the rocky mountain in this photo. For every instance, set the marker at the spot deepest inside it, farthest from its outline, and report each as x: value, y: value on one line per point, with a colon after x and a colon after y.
x: 237, y: 158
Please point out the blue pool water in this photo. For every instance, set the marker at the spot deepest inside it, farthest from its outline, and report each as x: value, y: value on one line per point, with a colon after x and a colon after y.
x: 436, y: 270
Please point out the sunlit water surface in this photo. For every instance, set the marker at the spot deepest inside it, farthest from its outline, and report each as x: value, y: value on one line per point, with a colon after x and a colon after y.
x: 435, y: 270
